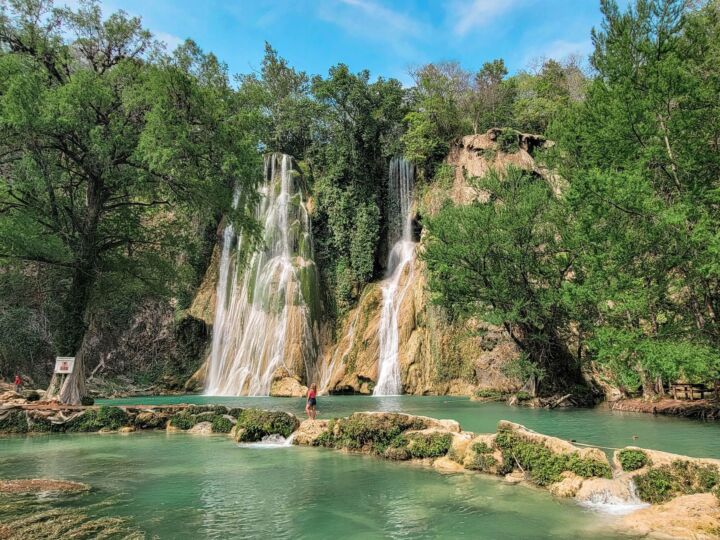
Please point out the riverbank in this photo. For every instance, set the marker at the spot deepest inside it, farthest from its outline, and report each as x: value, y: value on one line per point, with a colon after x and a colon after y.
x: 627, y: 481
x: 702, y: 409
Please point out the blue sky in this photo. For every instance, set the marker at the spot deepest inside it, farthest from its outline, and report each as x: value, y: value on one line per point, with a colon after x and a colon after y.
x: 385, y: 36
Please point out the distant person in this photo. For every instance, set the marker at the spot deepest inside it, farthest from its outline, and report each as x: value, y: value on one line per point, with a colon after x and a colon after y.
x: 18, y: 383
x: 310, y: 406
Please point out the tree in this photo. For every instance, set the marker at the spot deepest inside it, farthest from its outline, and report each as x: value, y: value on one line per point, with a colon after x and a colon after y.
x: 640, y: 154
x: 504, y: 262
x: 110, y: 149
x: 490, y: 100
x: 436, y: 115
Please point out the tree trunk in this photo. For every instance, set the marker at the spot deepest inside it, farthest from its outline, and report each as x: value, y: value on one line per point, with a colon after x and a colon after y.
x: 74, y: 341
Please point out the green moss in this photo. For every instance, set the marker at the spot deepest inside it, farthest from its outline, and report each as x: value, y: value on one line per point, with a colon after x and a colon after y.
x: 183, y: 420
x: 221, y: 424
x: 632, y: 460
x: 200, y: 409
x: 105, y: 417
x: 14, y: 422
x: 679, y: 478
x: 428, y: 445
x: 257, y: 424
x: 545, y: 466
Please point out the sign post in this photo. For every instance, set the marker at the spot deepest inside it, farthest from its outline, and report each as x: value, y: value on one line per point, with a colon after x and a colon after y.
x: 64, y: 366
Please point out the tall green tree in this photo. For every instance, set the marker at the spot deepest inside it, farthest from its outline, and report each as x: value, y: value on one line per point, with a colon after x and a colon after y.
x: 504, y: 262
x: 110, y: 150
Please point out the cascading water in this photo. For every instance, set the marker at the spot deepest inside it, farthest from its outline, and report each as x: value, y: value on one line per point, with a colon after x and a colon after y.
x: 399, y: 275
x: 266, y: 309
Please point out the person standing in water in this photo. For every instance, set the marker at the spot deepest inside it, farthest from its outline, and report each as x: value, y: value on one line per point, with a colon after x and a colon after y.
x: 311, y: 404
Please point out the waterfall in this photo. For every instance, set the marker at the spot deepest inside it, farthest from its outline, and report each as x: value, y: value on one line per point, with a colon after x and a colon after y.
x: 267, y: 293
x: 399, y: 274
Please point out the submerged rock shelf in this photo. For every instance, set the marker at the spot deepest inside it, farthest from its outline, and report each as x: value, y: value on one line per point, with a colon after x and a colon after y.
x: 639, y: 482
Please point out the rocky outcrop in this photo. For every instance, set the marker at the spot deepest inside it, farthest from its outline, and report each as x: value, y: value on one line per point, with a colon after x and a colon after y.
x: 436, y: 356
x: 691, y: 516
x: 285, y: 385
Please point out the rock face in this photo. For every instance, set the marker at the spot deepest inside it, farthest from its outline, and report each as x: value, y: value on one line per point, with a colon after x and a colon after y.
x: 689, y: 516
x: 435, y: 357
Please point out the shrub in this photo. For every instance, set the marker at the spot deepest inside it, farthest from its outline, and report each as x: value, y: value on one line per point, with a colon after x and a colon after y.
x: 485, y: 393
x: 424, y: 445
x: 656, y: 485
x: 221, y: 424
x: 481, y: 462
x: 632, y: 460
x: 397, y: 454
x: 87, y: 401
x: 182, y: 420
x: 373, y: 432
x: 481, y: 448
x: 508, y: 141
x: 200, y: 409
x: 545, y: 466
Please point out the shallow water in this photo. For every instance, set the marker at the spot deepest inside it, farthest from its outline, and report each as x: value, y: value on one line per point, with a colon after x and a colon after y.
x: 182, y: 486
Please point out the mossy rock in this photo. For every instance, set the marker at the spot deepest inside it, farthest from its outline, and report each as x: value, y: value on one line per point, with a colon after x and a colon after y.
x: 235, y: 412
x: 14, y: 422
x: 257, y: 424
x: 397, y: 454
x: 373, y: 433
x: 182, y: 420
x: 545, y: 466
x: 200, y: 409
x: 222, y: 424
x: 150, y: 420
x: 106, y: 417
x: 631, y: 459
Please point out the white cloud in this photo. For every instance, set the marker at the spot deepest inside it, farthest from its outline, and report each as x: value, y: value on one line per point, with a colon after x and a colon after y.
x: 466, y: 16
x: 373, y: 21
x: 170, y: 40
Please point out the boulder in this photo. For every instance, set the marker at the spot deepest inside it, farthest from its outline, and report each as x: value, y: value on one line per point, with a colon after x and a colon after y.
x: 150, y: 420
x: 201, y: 428
x: 309, y: 431
x: 126, y: 429
x: 690, y: 516
x: 568, y: 486
x: 288, y: 387
x: 446, y: 465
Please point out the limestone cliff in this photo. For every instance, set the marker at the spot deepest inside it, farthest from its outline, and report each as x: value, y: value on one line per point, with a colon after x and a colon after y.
x: 437, y: 356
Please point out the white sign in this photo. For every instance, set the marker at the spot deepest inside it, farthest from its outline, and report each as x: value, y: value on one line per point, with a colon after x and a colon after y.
x: 64, y: 364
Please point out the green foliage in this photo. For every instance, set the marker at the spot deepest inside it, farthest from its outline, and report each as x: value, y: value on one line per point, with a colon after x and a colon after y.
x: 632, y: 460
x: 370, y: 432
x: 491, y: 395
x: 221, y: 424
x: 663, y: 483
x: 545, y: 466
x: 508, y: 140
x: 183, y: 420
x: 257, y: 424
x: 429, y: 445
x: 482, y: 459
x: 503, y: 262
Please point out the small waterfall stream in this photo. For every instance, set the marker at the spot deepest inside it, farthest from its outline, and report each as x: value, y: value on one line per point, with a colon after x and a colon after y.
x: 266, y: 309
x: 399, y: 275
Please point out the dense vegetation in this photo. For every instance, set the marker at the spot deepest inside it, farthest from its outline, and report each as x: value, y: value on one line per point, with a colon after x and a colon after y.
x: 619, y: 273
x: 119, y: 158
